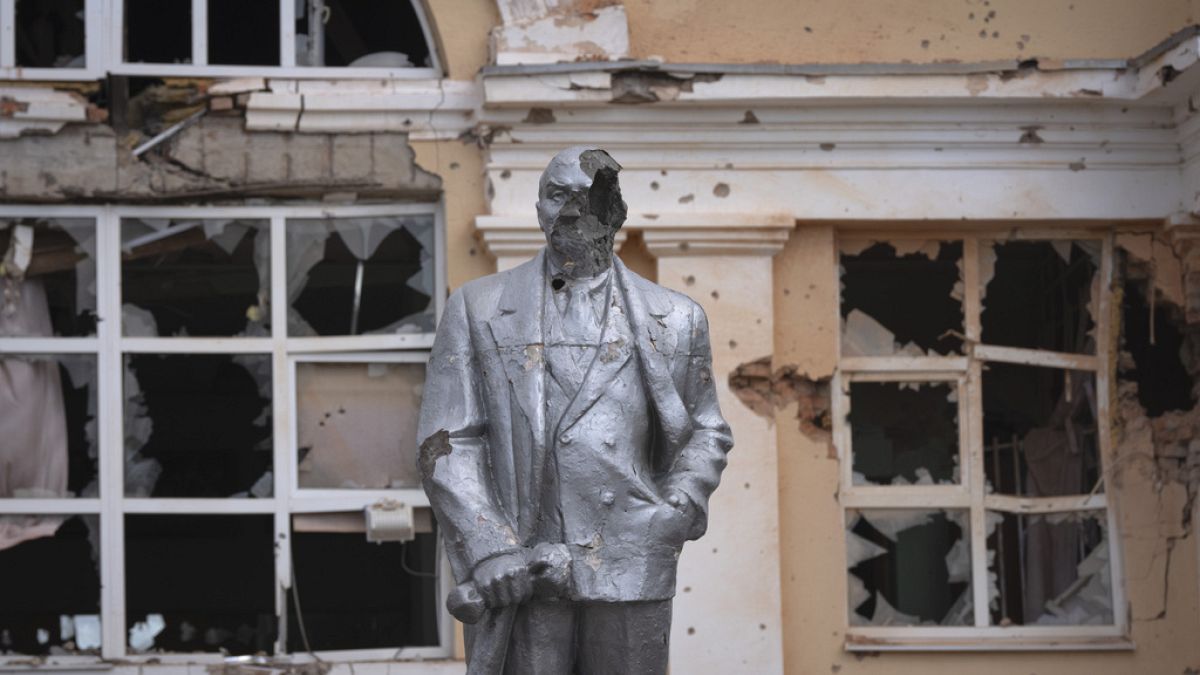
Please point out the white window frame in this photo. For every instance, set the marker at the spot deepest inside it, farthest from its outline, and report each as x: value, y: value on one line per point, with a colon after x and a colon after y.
x: 970, y: 495
x: 93, y: 47
x: 109, y: 346
x: 287, y: 68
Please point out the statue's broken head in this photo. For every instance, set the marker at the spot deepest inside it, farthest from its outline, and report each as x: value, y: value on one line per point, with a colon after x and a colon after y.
x: 580, y: 209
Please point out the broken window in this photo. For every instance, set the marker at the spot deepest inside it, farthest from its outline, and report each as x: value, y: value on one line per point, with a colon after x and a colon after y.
x: 243, y: 32
x: 48, y: 423
x: 1051, y: 569
x: 1038, y: 294
x: 200, y: 583
x: 198, y: 425
x: 49, y: 277
x: 50, y: 585
x: 158, y: 31
x: 193, y: 277
x: 50, y: 33
x: 901, y: 297
x: 969, y: 393
x: 356, y: 424
x: 349, y: 593
x: 909, y: 567
x: 359, y: 35
x: 360, y: 276
x: 904, y: 433
x: 1040, y: 430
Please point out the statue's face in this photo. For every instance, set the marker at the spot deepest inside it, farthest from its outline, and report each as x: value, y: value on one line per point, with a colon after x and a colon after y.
x: 580, y: 209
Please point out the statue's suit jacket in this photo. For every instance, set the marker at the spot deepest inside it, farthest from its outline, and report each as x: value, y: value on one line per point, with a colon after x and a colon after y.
x: 487, y: 443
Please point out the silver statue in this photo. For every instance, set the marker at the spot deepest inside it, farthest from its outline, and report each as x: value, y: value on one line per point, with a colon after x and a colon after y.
x: 572, y: 439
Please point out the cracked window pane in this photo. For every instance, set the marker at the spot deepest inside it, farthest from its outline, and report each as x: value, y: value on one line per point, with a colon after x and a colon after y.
x: 356, y: 594
x: 200, y: 583
x: 192, y: 277
x: 49, y: 277
x: 50, y: 585
x: 1040, y: 430
x: 50, y: 33
x: 198, y: 425
x: 904, y: 433
x: 1040, y: 294
x: 909, y: 567
x: 357, y: 424
x: 360, y: 276
x: 47, y: 427
x: 1050, y: 569
x: 360, y: 34
x: 158, y: 31
x: 902, y: 298
x: 243, y: 32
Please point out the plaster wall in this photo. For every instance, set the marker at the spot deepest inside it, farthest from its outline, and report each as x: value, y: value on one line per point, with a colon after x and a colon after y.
x: 461, y: 28
x: 1160, y: 570
x: 920, y: 31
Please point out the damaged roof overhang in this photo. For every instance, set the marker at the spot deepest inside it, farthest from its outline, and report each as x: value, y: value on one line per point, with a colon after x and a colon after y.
x: 1163, y: 75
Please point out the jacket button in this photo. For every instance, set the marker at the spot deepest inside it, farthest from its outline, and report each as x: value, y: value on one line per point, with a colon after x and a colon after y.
x: 607, y: 498
x: 565, y: 439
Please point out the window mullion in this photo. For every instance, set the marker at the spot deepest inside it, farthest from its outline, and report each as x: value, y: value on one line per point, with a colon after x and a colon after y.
x: 282, y: 425
x: 111, y: 432
x: 1107, y: 451
x: 974, y: 476
x: 8, y: 34
x: 200, y: 32
x: 287, y: 33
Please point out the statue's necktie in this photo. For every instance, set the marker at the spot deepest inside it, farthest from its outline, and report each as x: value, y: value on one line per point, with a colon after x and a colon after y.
x: 582, y: 328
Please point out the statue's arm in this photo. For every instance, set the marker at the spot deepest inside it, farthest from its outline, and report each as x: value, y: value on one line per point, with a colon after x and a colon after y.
x: 697, y: 468
x: 453, y: 456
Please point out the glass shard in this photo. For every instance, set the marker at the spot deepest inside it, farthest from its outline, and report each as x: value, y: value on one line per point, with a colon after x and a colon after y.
x: 904, y: 433
x: 357, y: 424
x: 49, y: 282
x: 197, y: 425
x: 909, y: 567
x: 200, y: 583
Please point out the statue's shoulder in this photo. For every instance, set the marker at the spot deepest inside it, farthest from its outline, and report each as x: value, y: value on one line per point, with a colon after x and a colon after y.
x: 483, y: 294
x: 662, y: 301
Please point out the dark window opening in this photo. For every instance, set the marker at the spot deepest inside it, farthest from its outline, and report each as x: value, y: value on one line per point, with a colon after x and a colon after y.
x: 1050, y: 570
x: 50, y: 585
x: 904, y: 432
x: 158, y: 31
x: 198, y: 425
x: 1164, y: 383
x: 355, y: 594
x: 357, y: 276
x: 909, y: 567
x: 1039, y: 294
x: 902, y: 304
x: 243, y: 32
x: 360, y: 34
x: 200, y: 583
x: 50, y: 33
x: 196, y: 278
x: 1040, y: 430
x: 57, y: 291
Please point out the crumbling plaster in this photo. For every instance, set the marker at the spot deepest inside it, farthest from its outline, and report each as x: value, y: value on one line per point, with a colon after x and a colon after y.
x: 919, y: 31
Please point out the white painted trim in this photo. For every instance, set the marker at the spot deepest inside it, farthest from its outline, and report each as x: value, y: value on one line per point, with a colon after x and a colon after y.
x: 199, y: 33
x: 70, y: 505
x: 8, y: 33
x: 49, y: 345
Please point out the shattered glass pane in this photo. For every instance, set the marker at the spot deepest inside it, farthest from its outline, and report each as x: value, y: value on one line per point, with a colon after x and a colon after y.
x: 49, y: 277
x: 902, y: 297
x: 356, y: 594
x: 357, y: 424
x: 361, y: 34
x: 1050, y: 570
x: 1040, y: 430
x: 359, y: 276
x: 909, y: 567
x: 47, y: 426
x: 904, y: 433
x: 50, y: 585
x: 158, y: 31
x: 243, y: 32
x: 198, y: 425
x: 195, y: 277
x: 1040, y: 294
x: 200, y: 583
x: 49, y: 34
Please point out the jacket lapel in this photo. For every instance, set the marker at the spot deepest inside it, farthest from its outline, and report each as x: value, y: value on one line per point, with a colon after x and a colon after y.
x: 611, y: 356
x: 516, y: 328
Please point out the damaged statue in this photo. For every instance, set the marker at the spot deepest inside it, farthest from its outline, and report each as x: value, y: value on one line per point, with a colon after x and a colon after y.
x: 571, y: 441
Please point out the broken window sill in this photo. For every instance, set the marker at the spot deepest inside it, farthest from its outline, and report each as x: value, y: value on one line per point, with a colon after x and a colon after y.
x: 1017, y: 638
